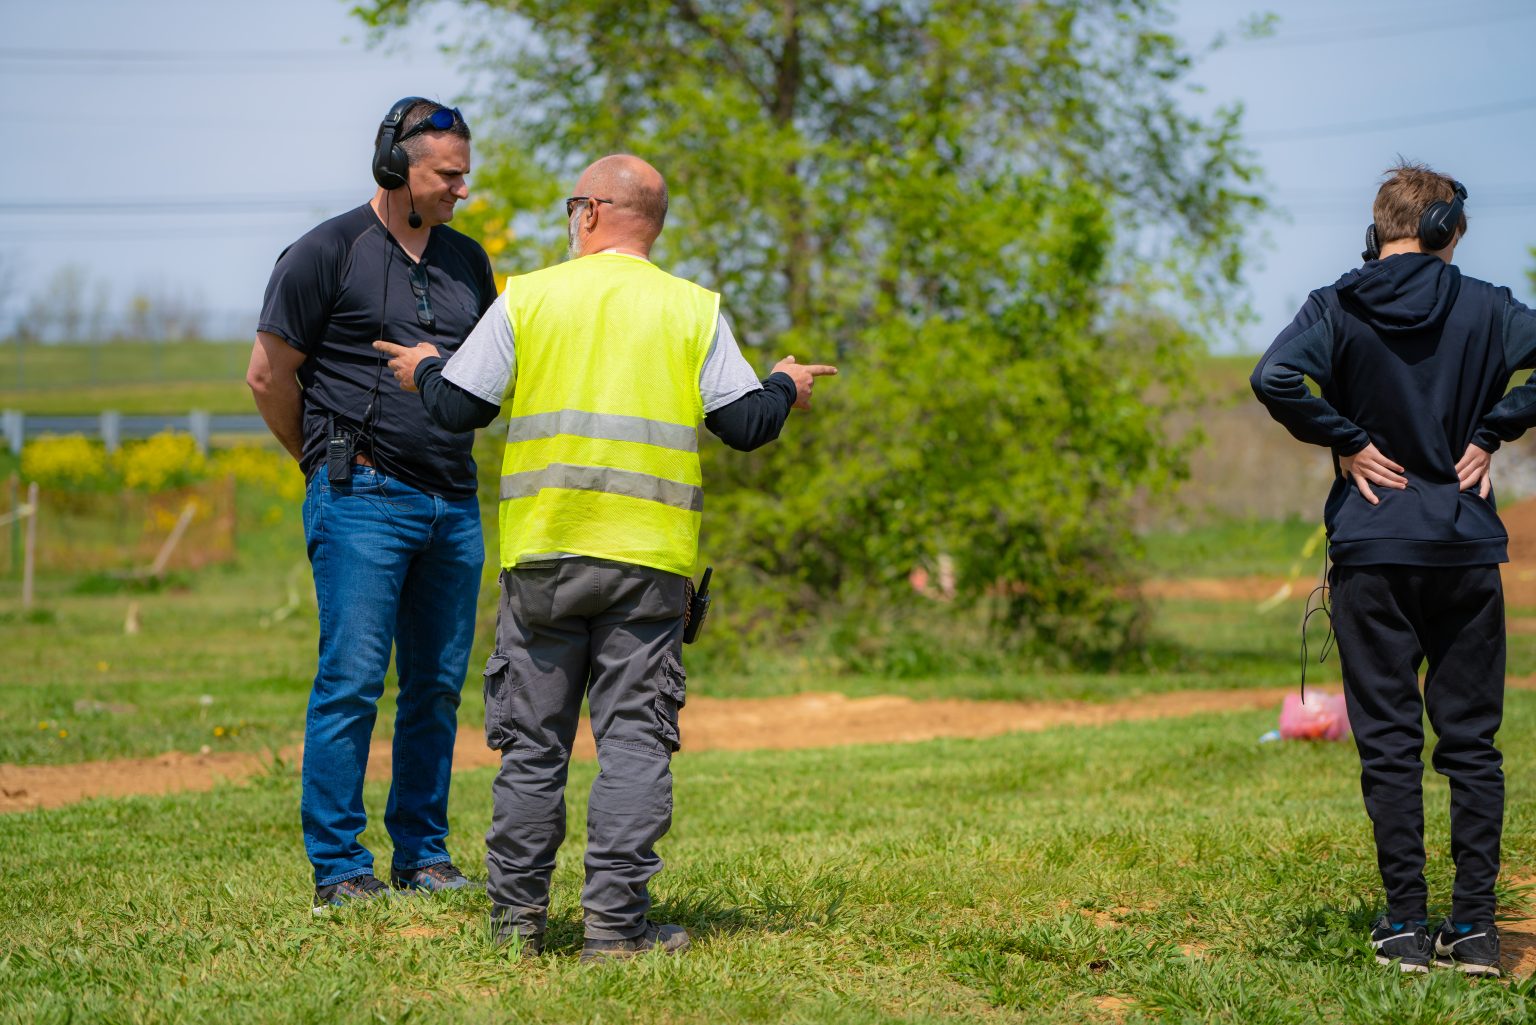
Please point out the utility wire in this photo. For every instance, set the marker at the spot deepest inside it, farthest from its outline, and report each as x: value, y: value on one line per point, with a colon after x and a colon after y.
x: 1344, y: 34
x: 172, y: 56
x: 39, y: 61
x: 1392, y: 124
x: 202, y: 205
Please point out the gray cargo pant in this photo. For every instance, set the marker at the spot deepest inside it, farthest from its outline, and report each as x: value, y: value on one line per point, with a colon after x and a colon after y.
x: 613, y: 632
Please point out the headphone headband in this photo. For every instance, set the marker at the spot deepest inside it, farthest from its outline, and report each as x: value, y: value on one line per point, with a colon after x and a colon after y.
x: 390, y: 163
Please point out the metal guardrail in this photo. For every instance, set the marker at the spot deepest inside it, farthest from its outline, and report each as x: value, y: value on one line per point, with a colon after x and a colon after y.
x: 113, y: 427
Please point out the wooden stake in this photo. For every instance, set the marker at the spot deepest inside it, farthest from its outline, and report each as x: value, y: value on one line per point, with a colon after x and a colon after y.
x: 182, y: 523
x: 29, y: 556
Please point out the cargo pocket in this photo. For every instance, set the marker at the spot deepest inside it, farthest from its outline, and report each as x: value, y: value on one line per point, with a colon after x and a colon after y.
x: 498, y: 703
x: 671, y: 695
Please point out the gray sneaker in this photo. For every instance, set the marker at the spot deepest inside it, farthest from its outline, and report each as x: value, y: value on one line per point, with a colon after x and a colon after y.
x: 349, y: 891
x: 432, y: 879
x: 1473, y: 949
x: 669, y: 939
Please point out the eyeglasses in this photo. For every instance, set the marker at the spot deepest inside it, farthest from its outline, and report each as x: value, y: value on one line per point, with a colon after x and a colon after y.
x: 424, y: 315
x: 570, y: 204
x: 440, y: 120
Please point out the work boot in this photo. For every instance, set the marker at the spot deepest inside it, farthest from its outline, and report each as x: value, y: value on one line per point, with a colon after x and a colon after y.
x: 508, y: 927
x: 669, y: 939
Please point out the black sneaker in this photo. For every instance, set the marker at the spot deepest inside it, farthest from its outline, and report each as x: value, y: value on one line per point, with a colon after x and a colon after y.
x: 669, y: 939
x: 1473, y: 949
x: 1406, y: 943
x: 431, y: 879
x: 358, y: 888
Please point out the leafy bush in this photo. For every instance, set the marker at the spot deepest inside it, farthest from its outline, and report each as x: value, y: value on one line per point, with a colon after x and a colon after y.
x: 167, y: 460
x: 977, y: 210
x: 272, y: 472
x: 68, y: 461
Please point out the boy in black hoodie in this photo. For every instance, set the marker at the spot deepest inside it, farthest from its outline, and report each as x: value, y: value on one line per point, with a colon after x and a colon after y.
x: 1413, y: 360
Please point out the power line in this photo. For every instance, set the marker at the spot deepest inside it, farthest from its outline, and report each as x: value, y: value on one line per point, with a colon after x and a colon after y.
x: 1392, y: 124
x: 116, y: 54
x: 1341, y: 34
x: 202, y: 205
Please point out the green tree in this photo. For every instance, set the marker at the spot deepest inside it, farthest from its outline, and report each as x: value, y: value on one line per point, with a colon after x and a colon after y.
x: 974, y: 206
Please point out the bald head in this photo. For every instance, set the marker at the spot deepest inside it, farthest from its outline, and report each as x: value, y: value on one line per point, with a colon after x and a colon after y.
x: 638, y: 191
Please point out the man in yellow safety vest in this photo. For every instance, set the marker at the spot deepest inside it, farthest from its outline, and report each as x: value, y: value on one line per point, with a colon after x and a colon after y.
x: 606, y: 365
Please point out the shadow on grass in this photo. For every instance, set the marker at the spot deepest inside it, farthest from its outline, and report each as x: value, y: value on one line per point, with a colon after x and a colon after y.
x: 726, y: 909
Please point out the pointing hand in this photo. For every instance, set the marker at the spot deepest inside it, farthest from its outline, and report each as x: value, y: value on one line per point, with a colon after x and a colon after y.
x: 403, y: 360
x: 804, y: 377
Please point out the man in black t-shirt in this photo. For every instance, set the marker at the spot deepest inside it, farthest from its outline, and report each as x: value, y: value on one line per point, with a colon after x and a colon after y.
x: 390, y: 515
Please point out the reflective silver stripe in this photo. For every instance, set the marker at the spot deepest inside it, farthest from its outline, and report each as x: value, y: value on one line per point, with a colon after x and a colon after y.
x: 605, y: 427
x: 602, y: 478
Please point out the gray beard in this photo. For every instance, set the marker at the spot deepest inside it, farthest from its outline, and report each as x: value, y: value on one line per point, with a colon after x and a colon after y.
x: 572, y: 244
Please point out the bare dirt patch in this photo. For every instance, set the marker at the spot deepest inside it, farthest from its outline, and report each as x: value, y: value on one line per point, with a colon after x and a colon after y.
x: 1117, y: 1007
x: 722, y: 724
x: 47, y: 786
x: 1254, y: 589
x: 1517, y: 940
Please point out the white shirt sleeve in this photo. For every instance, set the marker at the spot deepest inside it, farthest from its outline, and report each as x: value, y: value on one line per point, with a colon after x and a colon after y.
x: 726, y: 375
x: 486, y: 364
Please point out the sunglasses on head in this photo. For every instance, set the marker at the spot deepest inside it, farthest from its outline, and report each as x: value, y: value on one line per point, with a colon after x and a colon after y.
x: 440, y: 120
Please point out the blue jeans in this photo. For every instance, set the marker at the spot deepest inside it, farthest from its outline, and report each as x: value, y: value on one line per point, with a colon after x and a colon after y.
x: 391, y: 564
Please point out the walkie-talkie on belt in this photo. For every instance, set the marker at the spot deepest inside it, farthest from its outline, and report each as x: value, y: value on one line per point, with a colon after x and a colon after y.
x: 698, y: 607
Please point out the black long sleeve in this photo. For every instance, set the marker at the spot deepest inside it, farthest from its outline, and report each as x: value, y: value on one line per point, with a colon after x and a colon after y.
x: 450, y: 407
x: 750, y: 422
x: 1515, y: 413
x: 1304, y: 349
x: 756, y: 418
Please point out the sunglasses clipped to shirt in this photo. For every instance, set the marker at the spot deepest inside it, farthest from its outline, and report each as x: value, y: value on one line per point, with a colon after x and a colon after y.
x: 424, y: 315
x: 439, y: 120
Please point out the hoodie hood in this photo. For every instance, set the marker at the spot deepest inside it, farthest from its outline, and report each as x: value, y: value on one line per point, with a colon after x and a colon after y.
x: 1410, y: 292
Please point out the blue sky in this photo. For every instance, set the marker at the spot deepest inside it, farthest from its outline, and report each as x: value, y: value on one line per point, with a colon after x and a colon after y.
x: 177, y: 146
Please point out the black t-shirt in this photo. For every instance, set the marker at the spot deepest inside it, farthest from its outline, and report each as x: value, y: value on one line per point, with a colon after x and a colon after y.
x: 325, y: 298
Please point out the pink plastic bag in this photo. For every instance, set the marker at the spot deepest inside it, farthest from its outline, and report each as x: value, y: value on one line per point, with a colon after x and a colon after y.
x: 1321, y: 717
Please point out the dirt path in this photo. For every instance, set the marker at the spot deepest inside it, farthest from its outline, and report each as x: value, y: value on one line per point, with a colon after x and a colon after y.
x: 1241, y: 589
x: 709, y: 724
x: 728, y: 724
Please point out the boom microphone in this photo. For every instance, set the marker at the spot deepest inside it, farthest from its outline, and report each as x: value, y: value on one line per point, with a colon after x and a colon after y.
x: 413, y: 218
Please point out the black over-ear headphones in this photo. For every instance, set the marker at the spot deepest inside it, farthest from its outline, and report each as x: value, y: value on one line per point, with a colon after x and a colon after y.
x: 390, y: 163
x: 1437, y: 225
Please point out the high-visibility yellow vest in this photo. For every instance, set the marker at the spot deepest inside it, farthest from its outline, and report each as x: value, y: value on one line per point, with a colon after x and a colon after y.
x: 602, y: 455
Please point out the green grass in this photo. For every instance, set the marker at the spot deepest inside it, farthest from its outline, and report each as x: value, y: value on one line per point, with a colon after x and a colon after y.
x: 130, y: 377
x: 1234, y: 548
x: 174, y: 397
x: 1179, y: 866
x: 118, y: 364
x: 225, y: 656
x: 1175, y: 865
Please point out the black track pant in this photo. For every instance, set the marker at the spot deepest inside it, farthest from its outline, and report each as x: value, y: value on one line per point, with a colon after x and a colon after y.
x: 1389, y: 619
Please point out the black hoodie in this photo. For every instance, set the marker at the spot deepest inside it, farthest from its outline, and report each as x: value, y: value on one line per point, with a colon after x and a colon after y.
x: 1415, y: 357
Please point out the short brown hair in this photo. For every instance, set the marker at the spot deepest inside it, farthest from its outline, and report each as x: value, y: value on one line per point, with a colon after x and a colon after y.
x: 1409, y: 190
